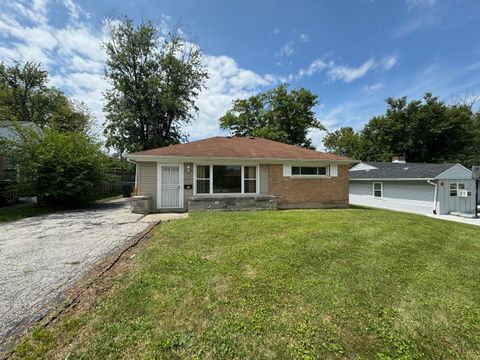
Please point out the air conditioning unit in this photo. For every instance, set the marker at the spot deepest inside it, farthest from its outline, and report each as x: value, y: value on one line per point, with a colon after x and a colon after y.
x: 464, y: 193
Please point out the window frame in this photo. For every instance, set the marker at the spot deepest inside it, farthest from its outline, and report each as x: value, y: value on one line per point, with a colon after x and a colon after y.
x: 244, y: 179
x: 300, y: 175
x: 203, y: 179
x: 381, y: 189
x: 457, y: 188
x: 211, y: 179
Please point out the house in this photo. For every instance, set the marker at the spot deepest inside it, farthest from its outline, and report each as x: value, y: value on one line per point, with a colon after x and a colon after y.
x: 414, y: 187
x: 240, y: 173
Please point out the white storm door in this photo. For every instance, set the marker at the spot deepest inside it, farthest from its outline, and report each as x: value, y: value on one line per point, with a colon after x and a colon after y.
x: 169, y: 186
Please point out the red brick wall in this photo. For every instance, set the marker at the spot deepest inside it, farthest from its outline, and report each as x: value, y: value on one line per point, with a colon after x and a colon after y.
x: 309, y: 193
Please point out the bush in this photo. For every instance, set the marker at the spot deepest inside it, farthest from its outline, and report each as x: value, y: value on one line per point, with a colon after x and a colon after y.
x: 61, y: 168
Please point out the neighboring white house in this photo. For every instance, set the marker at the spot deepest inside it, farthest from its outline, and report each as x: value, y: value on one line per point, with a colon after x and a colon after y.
x: 414, y: 187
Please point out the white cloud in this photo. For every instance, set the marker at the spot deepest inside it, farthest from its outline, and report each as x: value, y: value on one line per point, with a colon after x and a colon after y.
x: 420, y: 21
x: 276, y: 31
x: 304, y: 38
x: 416, y: 4
x: 286, y: 50
x: 389, y: 62
x: 349, y: 73
x: 227, y: 82
x: 343, y: 72
x: 315, y: 66
x: 373, y: 87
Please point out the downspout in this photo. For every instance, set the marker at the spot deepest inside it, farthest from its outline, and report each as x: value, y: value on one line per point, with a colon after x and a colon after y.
x: 434, y: 197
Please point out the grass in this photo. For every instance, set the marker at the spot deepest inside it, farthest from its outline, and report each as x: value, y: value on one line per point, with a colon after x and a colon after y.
x: 20, y: 211
x: 355, y: 284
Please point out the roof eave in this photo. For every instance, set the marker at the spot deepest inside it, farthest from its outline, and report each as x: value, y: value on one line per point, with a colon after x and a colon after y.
x: 208, y: 158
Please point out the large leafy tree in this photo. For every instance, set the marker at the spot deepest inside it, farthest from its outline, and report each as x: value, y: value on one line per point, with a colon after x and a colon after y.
x: 425, y: 130
x: 155, y: 82
x: 26, y: 96
x: 278, y: 114
x: 344, y: 142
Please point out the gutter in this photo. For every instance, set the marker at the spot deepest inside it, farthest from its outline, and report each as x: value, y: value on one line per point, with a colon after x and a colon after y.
x: 434, y: 197
x: 172, y: 158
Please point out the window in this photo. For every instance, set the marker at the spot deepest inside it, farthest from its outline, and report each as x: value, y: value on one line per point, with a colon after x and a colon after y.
x: 203, y: 179
x: 378, y: 190
x: 250, y: 179
x: 454, y: 187
x: 309, y: 170
x: 226, y: 179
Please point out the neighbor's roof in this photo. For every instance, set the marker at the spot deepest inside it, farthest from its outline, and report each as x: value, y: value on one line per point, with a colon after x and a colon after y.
x: 388, y: 170
x: 239, y: 147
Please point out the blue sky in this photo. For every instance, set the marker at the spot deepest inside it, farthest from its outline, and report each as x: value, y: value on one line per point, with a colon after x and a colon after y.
x: 352, y: 54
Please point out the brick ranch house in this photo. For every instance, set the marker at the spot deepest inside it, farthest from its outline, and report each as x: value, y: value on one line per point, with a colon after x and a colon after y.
x: 238, y: 173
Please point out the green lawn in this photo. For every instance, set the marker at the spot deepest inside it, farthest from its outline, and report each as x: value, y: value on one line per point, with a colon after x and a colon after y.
x: 355, y: 283
x: 20, y: 211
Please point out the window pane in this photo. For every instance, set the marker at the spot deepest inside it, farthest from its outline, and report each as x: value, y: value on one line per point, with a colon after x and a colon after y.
x: 308, y: 170
x: 461, y: 186
x: 453, y: 189
x: 377, y: 186
x: 227, y: 179
x: 322, y: 171
x: 377, y: 193
x: 295, y: 170
x: 203, y: 172
x: 203, y: 186
x: 250, y: 172
x: 250, y: 186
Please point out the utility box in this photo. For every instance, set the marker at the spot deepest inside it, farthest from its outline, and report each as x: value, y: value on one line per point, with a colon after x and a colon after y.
x: 141, y: 204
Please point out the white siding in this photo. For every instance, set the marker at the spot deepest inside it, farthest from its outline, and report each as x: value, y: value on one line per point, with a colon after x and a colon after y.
x: 455, y: 172
x: 454, y: 203
x: 147, y: 180
x: 411, y: 196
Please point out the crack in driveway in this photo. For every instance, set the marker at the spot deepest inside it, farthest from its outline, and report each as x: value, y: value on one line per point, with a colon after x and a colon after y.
x: 47, y: 246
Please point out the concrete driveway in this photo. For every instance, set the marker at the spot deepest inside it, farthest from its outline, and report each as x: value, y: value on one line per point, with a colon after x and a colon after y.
x: 41, y: 257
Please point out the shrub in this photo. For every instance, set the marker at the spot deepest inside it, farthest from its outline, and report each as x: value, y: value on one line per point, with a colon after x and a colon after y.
x: 61, y: 168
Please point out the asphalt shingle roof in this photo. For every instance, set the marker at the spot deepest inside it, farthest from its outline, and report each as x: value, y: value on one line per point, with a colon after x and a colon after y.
x: 386, y: 170
x: 240, y: 147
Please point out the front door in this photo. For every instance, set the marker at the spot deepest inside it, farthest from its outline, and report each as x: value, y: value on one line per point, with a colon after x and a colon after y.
x: 169, y: 187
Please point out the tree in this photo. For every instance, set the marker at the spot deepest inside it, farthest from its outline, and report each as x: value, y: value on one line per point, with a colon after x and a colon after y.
x: 344, y: 142
x: 155, y: 82
x: 425, y: 130
x: 25, y: 96
x: 278, y: 114
x: 24, y: 86
x: 61, y: 168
